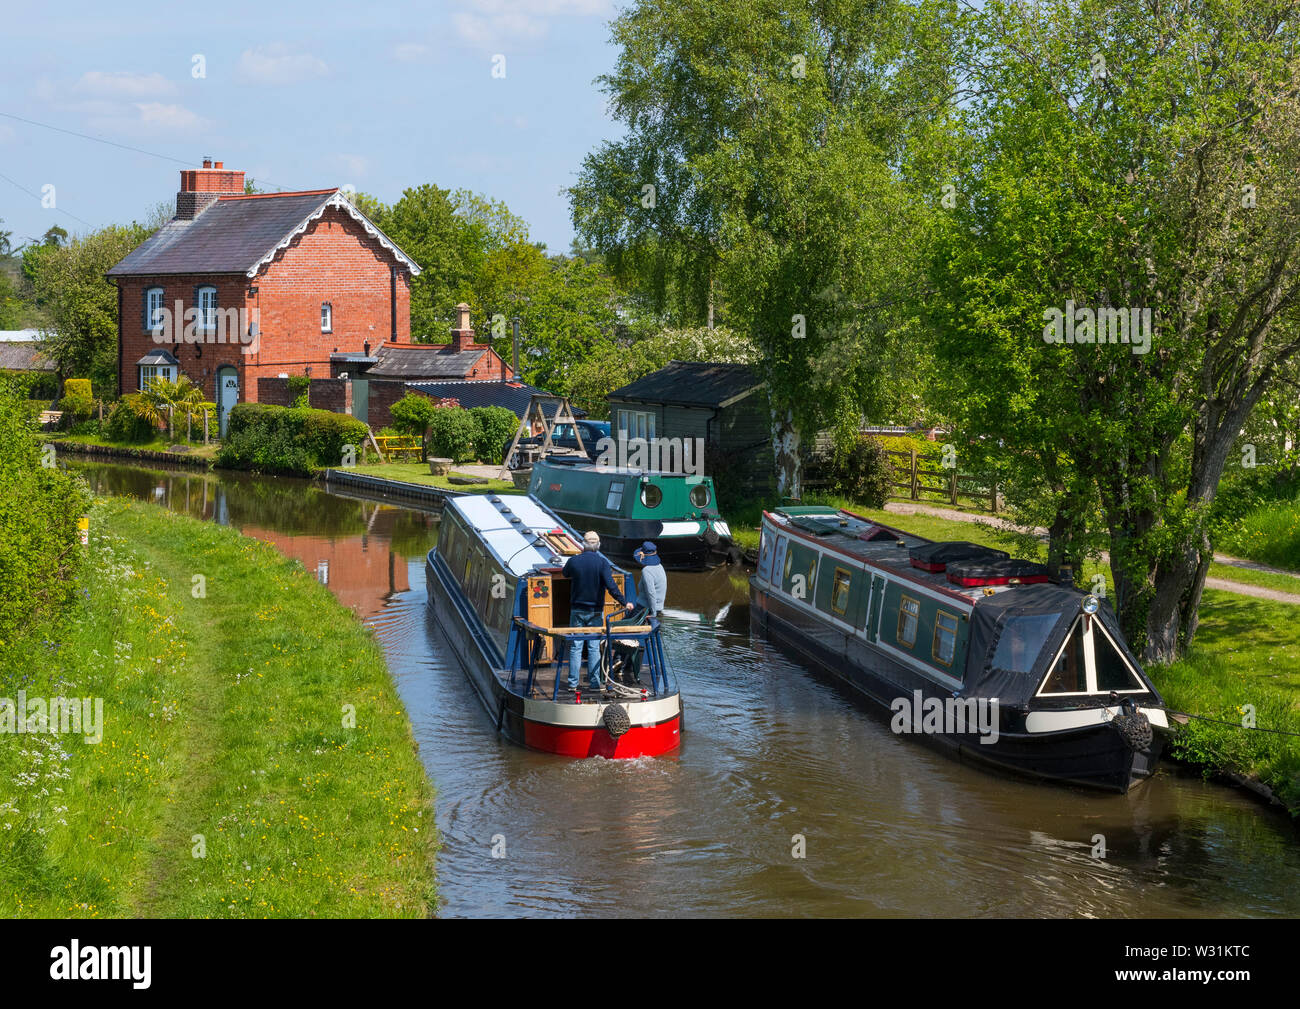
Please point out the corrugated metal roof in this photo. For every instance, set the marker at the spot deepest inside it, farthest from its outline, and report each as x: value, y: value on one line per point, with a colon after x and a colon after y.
x: 691, y: 383
x: 237, y: 234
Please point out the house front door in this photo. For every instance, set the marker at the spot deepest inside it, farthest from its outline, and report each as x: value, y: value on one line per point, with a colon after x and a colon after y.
x: 227, y: 395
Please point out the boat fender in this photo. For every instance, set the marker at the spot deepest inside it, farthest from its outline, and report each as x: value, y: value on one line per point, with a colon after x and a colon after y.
x: 1133, y: 727
x: 711, y: 536
x: 616, y: 720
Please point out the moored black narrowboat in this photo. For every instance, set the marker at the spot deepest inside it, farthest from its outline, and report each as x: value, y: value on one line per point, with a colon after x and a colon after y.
x: 977, y: 652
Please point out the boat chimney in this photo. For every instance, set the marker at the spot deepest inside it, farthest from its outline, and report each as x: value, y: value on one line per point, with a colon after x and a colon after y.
x: 1066, y: 574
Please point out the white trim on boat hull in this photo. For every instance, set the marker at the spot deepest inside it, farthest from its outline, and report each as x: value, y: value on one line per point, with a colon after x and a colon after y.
x: 1055, y: 721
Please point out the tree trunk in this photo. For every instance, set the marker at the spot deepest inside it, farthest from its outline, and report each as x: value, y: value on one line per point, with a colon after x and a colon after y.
x: 785, y: 451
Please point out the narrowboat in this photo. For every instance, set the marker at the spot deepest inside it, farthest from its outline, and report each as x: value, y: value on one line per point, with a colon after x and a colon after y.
x: 678, y: 512
x: 497, y: 589
x: 972, y: 650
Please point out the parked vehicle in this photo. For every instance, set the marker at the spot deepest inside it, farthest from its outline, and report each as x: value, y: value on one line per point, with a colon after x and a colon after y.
x: 563, y: 438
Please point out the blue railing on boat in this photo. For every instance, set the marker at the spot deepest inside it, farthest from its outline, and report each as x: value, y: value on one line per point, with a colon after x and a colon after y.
x: 526, y: 655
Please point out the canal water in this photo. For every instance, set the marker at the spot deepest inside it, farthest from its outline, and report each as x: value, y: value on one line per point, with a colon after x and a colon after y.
x: 774, y: 763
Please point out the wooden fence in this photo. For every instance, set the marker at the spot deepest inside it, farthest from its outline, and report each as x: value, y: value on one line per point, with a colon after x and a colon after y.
x: 910, y: 475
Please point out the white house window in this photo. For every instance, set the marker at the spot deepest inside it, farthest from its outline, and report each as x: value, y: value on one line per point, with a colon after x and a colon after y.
x: 326, y: 317
x: 149, y: 372
x: 153, y: 306
x: 208, y: 308
x: 636, y: 424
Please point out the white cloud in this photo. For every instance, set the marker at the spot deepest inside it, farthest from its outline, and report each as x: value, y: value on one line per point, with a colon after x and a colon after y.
x: 276, y: 63
x: 124, y: 85
x: 495, y: 23
x: 354, y: 166
x: 141, y: 119
x: 411, y: 52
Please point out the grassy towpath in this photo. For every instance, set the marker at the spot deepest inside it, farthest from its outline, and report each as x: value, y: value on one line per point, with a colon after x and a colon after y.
x: 256, y: 760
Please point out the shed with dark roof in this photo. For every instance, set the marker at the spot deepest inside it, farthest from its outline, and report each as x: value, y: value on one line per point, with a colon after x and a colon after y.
x: 723, y: 406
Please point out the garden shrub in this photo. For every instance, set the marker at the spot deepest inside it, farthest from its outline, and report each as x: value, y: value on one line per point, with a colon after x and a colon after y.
x: 289, y: 440
x: 300, y: 390
x: 494, y: 427
x: 412, y: 414
x: 451, y: 435
x: 77, y: 402
x: 126, y: 423
x: 864, y: 473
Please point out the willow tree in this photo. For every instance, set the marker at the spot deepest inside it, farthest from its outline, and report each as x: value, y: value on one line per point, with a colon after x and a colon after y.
x: 1129, y: 158
x: 766, y: 169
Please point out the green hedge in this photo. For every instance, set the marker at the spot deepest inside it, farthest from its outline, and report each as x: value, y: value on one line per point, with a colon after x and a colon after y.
x: 39, y: 508
x: 123, y: 422
x: 289, y: 440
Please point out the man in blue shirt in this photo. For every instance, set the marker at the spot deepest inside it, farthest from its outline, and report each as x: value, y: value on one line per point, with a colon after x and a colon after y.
x: 590, y: 577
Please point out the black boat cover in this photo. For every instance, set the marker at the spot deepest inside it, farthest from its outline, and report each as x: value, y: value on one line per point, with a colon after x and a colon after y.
x: 932, y: 554
x: 1015, y: 634
x: 997, y: 568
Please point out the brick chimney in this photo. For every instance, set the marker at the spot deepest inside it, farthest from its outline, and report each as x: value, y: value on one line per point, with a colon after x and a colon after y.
x: 200, y: 187
x: 462, y: 337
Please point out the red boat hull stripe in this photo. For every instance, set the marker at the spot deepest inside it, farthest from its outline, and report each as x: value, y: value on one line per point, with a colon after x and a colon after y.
x: 638, y: 741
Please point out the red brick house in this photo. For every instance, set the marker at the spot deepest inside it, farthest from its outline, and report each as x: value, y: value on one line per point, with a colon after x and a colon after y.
x: 236, y: 287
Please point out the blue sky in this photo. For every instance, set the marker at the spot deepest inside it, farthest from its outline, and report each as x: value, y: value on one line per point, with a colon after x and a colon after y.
x: 301, y: 96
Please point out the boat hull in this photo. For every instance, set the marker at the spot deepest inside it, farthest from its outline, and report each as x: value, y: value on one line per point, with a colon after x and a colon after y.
x: 573, y: 730
x: 1093, y: 755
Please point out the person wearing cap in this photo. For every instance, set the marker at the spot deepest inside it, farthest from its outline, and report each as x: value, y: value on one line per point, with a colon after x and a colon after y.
x: 590, y: 576
x: 653, y: 577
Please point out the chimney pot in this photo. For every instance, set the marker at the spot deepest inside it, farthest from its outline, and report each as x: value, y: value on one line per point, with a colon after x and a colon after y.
x: 219, y: 164
x: 207, y: 162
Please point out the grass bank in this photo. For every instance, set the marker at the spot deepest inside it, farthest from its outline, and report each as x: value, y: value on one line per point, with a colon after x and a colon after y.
x: 418, y: 472
x: 255, y: 758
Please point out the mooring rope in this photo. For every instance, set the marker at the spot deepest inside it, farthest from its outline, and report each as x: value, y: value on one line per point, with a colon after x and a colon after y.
x: 1232, y: 725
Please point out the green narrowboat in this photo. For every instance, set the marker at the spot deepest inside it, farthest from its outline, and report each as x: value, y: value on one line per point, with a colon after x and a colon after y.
x: 678, y: 512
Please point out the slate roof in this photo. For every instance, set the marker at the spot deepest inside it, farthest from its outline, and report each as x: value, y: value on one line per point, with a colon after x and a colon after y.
x: 236, y: 234
x: 692, y: 383
x: 23, y: 356
x: 514, y: 396
x: 424, y: 361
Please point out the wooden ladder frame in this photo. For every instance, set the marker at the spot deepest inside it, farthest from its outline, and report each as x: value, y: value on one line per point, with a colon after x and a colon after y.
x: 563, y: 414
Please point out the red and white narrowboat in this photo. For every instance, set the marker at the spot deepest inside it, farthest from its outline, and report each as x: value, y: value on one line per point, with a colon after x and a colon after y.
x: 496, y: 587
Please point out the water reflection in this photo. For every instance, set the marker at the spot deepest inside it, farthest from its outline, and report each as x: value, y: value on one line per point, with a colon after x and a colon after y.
x: 769, y: 751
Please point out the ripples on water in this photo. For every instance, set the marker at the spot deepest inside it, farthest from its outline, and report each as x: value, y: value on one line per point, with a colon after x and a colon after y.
x: 769, y: 750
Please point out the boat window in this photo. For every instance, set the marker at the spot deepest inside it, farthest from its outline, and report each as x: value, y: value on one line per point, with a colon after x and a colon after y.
x: 909, y: 618
x: 1113, y: 673
x: 765, y: 555
x: 700, y: 495
x: 614, y: 500
x: 1022, y: 640
x: 789, y: 565
x: 840, y: 591
x: 1070, y: 674
x: 651, y: 495
x: 944, y: 647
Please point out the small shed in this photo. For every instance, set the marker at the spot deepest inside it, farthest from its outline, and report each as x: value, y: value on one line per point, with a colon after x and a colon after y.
x: 724, y: 406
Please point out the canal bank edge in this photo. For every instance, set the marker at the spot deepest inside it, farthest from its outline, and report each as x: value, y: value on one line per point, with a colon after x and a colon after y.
x: 256, y: 759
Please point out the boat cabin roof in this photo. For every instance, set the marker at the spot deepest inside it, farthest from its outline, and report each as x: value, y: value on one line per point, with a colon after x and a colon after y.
x: 606, y: 471
x: 510, y: 528
x: 876, y: 544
